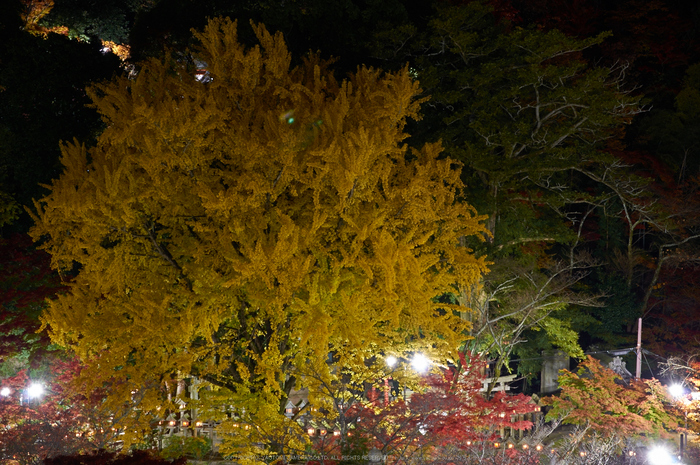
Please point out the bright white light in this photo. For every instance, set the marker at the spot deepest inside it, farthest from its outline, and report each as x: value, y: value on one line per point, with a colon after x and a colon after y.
x: 35, y: 390
x: 5, y: 391
x: 660, y: 456
x: 676, y: 390
x: 420, y: 363
x: 391, y: 361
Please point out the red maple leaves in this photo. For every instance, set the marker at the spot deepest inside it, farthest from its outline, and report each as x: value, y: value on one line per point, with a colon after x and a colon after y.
x: 450, y: 417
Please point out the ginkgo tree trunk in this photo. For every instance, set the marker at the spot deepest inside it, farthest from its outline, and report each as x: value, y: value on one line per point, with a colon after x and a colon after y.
x: 238, y: 222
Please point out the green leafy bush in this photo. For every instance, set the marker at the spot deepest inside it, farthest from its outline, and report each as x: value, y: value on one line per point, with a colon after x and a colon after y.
x: 195, y: 448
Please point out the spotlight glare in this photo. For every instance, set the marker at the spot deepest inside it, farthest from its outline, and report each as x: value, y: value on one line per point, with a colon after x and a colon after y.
x: 420, y: 363
x: 659, y: 456
x: 676, y: 390
x: 35, y: 390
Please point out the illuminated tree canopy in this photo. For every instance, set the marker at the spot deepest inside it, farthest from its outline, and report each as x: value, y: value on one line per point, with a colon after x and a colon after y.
x: 237, y: 222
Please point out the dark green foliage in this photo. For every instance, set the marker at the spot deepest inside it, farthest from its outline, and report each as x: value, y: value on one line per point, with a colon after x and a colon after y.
x: 191, y: 447
x: 531, y: 119
x: 619, y: 313
x: 673, y: 133
x: 540, y: 127
x: 525, y: 112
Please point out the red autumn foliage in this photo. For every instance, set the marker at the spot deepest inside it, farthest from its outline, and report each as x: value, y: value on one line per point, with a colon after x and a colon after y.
x: 449, y: 417
x: 57, y: 422
x: 596, y: 397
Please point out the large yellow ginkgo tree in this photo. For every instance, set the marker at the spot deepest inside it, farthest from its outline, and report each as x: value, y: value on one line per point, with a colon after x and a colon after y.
x: 241, y: 221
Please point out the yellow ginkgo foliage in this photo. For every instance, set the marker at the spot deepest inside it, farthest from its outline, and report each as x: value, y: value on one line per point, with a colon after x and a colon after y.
x: 239, y: 220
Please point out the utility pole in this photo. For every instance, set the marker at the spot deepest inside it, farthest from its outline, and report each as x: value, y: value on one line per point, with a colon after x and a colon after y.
x: 638, y: 374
